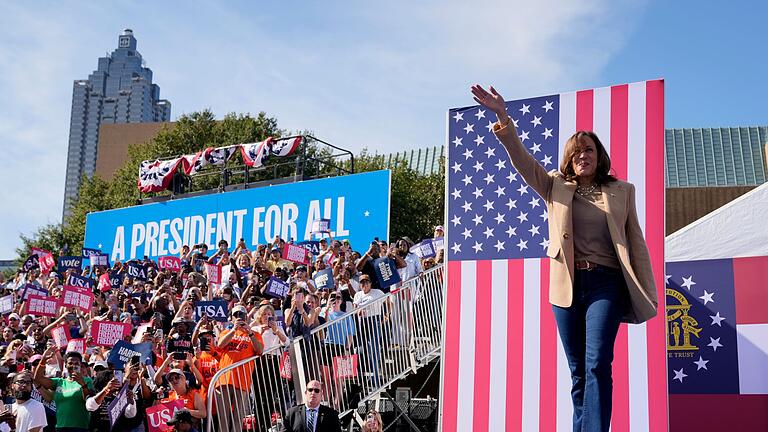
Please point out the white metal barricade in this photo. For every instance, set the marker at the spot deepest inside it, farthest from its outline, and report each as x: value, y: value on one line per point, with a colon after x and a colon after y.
x: 355, y: 356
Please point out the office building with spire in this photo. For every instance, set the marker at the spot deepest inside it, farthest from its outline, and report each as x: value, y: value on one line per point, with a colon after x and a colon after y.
x: 120, y: 90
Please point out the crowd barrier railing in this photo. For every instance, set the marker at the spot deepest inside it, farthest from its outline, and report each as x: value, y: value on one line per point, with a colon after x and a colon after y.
x: 355, y: 356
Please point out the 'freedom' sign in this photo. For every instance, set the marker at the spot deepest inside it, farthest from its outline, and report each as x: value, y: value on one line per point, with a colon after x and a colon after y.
x: 108, y: 333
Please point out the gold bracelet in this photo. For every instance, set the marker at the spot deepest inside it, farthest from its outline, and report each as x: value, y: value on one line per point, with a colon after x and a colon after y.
x: 509, y: 119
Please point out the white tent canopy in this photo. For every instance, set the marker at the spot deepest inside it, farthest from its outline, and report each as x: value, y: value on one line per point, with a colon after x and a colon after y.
x: 737, y: 229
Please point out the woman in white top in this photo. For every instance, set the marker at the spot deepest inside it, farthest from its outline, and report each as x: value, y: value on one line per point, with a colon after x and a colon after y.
x: 271, y: 333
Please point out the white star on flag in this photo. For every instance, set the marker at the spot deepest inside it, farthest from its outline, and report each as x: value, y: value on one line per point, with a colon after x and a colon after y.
x: 523, y: 189
x: 469, y: 128
x: 479, y: 140
x: 524, y: 136
x: 707, y: 297
x: 534, y: 230
x: 512, y: 177
x: 488, y: 205
x: 522, y: 244
x: 480, y: 114
x: 467, y: 154
x: 456, y: 194
x: 456, y: 167
x: 456, y: 220
x: 489, y: 152
x: 536, y: 148
x: 526, y: 109
x: 489, y: 179
x: 544, y: 244
x: 478, y: 166
x: 536, y: 121
x: 458, y: 116
x: 547, y: 160
x: 467, y: 179
x: 467, y: 206
x: 534, y: 202
x: 522, y: 217
x: 501, y: 164
x: 490, y: 126
x: 478, y: 192
x: 457, y: 142
x: 488, y: 232
x: 500, y: 191
x: 547, y: 106
x: 688, y: 282
x: 716, y: 319
x: 679, y: 375
x: 478, y: 219
x: 499, y: 246
x: 714, y: 343
x: 477, y: 247
x: 511, y: 204
x: 547, y: 133
x: 456, y: 248
x: 701, y: 363
x: 666, y: 279
x: 467, y: 233
x: 499, y: 218
x: 366, y: 213
x: 511, y: 231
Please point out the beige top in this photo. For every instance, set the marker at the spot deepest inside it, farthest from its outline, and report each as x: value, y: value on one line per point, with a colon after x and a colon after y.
x: 591, y: 237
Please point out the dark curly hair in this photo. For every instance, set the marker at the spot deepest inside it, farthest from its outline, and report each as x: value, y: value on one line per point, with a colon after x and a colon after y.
x: 574, y: 145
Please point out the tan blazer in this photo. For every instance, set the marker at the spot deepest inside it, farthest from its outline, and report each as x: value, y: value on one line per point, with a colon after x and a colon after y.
x: 619, y: 198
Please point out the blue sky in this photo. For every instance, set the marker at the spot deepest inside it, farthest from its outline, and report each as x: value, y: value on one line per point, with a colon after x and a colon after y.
x: 377, y: 75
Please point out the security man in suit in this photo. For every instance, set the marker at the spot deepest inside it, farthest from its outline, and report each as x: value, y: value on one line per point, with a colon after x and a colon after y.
x: 312, y: 416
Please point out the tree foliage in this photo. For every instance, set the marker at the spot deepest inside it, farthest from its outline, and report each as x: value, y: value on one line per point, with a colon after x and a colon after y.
x: 417, y: 200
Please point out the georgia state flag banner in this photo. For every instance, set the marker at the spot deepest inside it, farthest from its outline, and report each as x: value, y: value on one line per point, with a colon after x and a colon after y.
x: 717, y: 343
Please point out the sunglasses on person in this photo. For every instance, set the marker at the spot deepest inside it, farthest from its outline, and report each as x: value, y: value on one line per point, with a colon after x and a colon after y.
x: 239, y: 314
x: 313, y: 390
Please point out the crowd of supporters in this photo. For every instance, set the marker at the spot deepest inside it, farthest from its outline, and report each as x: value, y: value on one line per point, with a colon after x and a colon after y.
x: 49, y: 383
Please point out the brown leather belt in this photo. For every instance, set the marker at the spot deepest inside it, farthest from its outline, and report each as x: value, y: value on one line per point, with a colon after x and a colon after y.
x: 585, y: 265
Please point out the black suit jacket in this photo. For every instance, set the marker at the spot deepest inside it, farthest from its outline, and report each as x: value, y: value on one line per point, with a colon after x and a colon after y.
x: 296, y: 420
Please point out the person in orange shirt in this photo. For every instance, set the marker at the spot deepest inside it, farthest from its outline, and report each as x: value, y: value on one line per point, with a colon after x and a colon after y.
x: 207, y: 360
x: 233, y: 387
x: 180, y: 390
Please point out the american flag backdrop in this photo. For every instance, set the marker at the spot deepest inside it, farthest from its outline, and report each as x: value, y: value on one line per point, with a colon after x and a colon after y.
x: 503, y: 365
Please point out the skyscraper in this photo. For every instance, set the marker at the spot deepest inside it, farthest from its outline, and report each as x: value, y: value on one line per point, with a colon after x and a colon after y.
x: 120, y: 90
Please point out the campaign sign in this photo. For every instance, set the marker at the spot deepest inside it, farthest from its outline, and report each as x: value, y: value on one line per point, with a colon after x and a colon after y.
x: 80, y: 282
x: 357, y: 205
x: 170, y: 262
x: 425, y: 249
x: 100, y: 259
x: 321, y: 226
x: 108, y: 333
x: 117, y: 407
x: 89, y: 252
x: 313, y: 246
x: 345, y: 366
x: 40, y: 252
x: 70, y: 262
x: 158, y: 415
x: 32, y: 289
x: 104, y: 284
x: 77, y: 297
x: 277, y: 287
x: 32, y: 262
x: 137, y: 271
x: 386, y: 271
x: 76, y: 345
x: 213, y: 273
x: 122, y: 352
x: 41, y: 306
x: 116, y: 279
x: 60, y: 336
x: 215, y: 310
x: 47, y: 263
x: 295, y: 254
x: 324, y: 279
x: 438, y: 243
x: 6, y: 304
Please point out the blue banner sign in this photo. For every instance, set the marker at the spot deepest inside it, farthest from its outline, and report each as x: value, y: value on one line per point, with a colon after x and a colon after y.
x: 357, y: 205
x: 386, y: 271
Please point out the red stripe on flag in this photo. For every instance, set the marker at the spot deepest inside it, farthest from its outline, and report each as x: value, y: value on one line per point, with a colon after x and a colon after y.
x: 452, y: 327
x: 749, y: 277
x: 619, y: 151
x: 548, y: 359
x: 585, y: 106
x: 483, y: 300
x: 654, y: 234
x: 515, y: 292
x: 619, y: 129
x: 620, y: 417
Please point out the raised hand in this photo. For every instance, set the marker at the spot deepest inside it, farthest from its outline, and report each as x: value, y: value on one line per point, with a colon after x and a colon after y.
x: 491, y: 100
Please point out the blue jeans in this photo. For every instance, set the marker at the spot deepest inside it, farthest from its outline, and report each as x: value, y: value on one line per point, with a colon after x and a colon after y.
x: 588, y: 331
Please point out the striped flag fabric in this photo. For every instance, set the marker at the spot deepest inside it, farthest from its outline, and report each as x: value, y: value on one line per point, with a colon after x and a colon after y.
x: 503, y: 366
